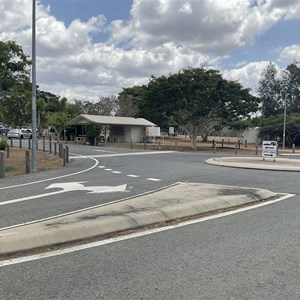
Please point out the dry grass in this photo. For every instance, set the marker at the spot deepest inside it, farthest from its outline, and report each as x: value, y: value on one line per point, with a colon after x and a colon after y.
x: 15, y: 163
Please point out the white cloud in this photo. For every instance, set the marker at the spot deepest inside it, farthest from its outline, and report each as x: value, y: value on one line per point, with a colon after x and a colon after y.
x: 161, y: 37
x: 248, y: 75
x: 209, y: 26
x: 290, y: 53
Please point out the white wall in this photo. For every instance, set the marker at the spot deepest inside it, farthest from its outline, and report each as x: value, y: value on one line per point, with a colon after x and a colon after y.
x: 251, y: 135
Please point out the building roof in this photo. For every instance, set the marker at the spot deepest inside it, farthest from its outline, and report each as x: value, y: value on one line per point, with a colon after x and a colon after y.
x: 108, y: 120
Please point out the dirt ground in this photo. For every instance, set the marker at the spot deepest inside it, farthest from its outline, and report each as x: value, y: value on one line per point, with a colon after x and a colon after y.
x: 15, y: 163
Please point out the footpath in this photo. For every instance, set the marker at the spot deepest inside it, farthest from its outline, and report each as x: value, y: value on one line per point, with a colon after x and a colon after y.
x: 178, y: 201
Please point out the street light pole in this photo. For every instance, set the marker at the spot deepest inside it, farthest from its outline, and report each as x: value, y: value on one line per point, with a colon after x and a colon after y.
x: 33, y: 125
x: 284, y: 122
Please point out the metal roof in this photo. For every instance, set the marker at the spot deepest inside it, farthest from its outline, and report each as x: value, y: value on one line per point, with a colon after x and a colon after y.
x: 108, y: 120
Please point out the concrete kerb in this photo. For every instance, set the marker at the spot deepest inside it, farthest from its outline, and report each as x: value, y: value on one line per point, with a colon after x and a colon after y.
x: 182, y: 200
x: 280, y: 164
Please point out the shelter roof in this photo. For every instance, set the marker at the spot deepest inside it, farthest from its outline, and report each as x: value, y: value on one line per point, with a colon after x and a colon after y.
x: 84, y: 119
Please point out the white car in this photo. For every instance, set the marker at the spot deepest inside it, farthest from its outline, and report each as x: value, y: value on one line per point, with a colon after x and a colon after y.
x: 19, y: 134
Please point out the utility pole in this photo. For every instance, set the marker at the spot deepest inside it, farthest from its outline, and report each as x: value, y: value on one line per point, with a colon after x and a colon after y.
x: 33, y: 125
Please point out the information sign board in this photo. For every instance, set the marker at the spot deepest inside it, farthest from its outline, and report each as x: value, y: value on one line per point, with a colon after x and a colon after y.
x: 171, y: 131
x: 269, y: 149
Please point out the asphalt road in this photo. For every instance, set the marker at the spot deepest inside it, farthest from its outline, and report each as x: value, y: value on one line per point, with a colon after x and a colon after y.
x: 249, y: 255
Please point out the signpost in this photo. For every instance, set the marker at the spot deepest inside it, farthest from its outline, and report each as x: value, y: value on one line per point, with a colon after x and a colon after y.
x: 269, y: 149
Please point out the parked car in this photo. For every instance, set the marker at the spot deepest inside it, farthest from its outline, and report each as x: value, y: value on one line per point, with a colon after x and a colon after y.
x: 3, y: 130
x: 19, y: 134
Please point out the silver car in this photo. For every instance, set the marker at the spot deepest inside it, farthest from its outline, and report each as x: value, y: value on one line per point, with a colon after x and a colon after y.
x: 19, y: 134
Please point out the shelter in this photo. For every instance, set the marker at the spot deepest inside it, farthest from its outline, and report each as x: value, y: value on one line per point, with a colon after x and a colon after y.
x: 121, y: 129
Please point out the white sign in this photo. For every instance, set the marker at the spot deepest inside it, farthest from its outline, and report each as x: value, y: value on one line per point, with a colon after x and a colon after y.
x: 171, y: 130
x: 269, y: 149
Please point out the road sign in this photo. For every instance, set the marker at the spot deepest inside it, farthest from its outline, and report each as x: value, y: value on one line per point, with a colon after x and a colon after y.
x: 171, y: 131
x: 269, y: 149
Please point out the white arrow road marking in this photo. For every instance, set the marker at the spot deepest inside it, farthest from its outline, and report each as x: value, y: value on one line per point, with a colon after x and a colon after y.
x: 78, y: 186
x: 69, y: 187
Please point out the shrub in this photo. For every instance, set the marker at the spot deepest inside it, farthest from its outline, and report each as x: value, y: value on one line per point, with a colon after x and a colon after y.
x: 3, y: 144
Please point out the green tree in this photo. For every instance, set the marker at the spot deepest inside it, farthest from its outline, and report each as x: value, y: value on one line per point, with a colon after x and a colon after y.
x: 15, y: 87
x: 75, y: 109
x: 106, y: 106
x: 195, y: 99
x: 269, y: 88
x: 92, y: 132
x: 59, y: 121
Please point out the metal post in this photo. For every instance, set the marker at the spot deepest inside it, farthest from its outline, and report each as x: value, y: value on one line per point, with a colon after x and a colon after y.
x: 236, y: 148
x: 33, y: 125
x: 7, y: 151
x: 293, y: 148
x: 284, y: 122
x: 215, y: 147
x: 20, y: 143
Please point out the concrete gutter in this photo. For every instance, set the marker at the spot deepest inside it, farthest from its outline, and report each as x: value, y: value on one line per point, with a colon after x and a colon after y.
x: 178, y: 201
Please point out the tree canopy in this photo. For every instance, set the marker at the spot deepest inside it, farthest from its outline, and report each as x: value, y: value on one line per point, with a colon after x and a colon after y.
x: 196, y: 100
x: 15, y: 87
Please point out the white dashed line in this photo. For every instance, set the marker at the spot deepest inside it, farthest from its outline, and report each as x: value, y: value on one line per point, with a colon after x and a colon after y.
x: 108, y: 169
x: 117, y: 172
x: 101, y: 167
x: 153, y: 179
x: 134, y: 176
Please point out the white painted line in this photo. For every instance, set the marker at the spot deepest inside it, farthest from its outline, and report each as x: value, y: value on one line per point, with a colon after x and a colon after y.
x: 117, y: 172
x: 134, y: 235
x: 108, y: 169
x: 106, y: 151
x: 134, y: 176
x: 130, y: 154
x: 54, y: 178
x: 153, y: 179
x: 101, y: 167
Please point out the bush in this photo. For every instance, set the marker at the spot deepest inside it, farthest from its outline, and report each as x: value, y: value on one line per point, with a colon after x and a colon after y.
x: 93, y: 133
x: 3, y: 144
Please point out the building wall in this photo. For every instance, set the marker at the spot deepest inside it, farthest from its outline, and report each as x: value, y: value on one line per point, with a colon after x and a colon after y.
x: 125, y: 134
x: 136, y: 134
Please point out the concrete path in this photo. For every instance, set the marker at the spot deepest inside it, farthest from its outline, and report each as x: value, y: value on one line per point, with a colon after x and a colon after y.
x: 178, y: 201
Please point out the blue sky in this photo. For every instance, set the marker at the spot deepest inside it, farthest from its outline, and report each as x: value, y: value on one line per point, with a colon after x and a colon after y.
x: 68, y: 10
x: 92, y: 48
